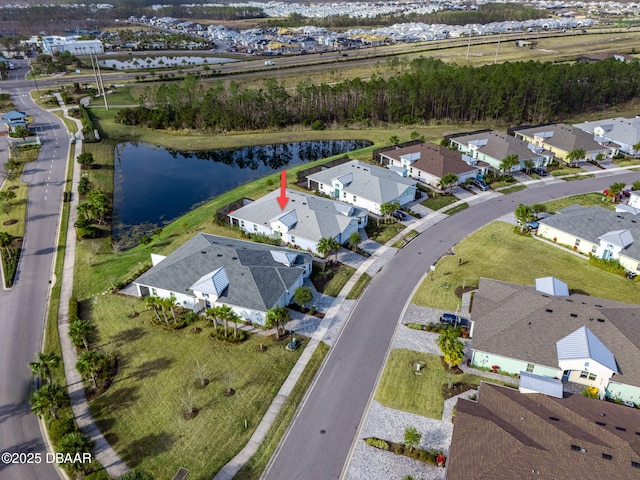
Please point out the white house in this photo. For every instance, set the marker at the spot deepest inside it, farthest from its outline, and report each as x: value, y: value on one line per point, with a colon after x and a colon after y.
x: 624, y: 133
x: 72, y: 44
x: 209, y: 271
x: 364, y: 185
x: 304, y: 220
x: 596, y: 231
x: 634, y: 199
x: 428, y: 163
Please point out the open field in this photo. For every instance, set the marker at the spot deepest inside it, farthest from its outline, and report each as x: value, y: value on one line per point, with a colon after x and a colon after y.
x: 518, y: 259
x: 402, y: 389
x: 141, y: 412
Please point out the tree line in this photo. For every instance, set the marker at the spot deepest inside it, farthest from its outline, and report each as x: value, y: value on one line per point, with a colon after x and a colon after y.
x: 514, y: 93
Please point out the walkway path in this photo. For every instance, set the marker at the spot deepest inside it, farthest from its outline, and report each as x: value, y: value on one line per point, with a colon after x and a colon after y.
x: 103, y: 452
x: 328, y: 329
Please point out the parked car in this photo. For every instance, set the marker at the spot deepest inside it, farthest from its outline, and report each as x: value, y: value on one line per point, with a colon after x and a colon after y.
x: 269, y: 63
x: 481, y: 184
x: 532, y: 225
x: 455, y: 320
x: 399, y: 215
x: 539, y: 171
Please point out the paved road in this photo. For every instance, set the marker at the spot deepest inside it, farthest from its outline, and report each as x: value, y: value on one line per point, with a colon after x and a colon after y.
x: 22, y: 309
x: 317, y: 444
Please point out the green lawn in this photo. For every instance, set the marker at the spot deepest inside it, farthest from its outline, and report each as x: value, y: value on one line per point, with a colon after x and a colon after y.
x: 254, y: 467
x: 383, y: 232
x: 141, y: 412
x: 359, y: 287
x: 437, y: 201
x: 402, y: 389
x: 496, y: 252
x: 457, y: 208
x: 332, y: 279
x: 18, y: 210
x: 515, y: 188
x: 573, y: 178
x: 587, y: 200
x: 562, y: 171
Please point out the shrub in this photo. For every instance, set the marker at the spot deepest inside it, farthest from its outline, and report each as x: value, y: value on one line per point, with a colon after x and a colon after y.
x: 191, y: 317
x: 377, y: 443
x: 398, y: 449
x: 218, y: 334
x: 317, y: 125
x: 73, y: 310
x: 415, y: 326
x: 61, y: 427
x: 611, y: 265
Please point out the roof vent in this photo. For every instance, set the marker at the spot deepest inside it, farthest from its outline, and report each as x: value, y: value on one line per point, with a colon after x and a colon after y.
x: 203, y: 251
x: 234, y: 258
x: 575, y: 448
x: 573, y: 315
x: 622, y: 429
x: 606, y: 456
x: 293, y: 199
x: 602, y: 424
x: 601, y: 320
x: 555, y: 419
x: 598, y: 305
x: 549, y: 310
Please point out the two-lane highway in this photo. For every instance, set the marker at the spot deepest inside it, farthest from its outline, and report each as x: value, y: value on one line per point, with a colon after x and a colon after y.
x: 317, y: 444
x: 22, y: 309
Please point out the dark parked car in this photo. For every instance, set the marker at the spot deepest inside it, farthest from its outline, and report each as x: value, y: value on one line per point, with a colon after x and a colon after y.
x: 539, y: 171
x: 399, y: 215
x: 481, y: 184
x: 455, y: 320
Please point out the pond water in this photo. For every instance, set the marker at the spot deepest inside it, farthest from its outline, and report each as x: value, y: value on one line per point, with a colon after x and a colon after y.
x: 153, y: 185
x: 161, y: 61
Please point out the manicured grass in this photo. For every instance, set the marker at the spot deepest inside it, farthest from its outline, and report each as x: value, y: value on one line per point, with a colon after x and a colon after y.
x: 560, y: 172
x: 383, y: 232
x: 437, y: 201
x: 338, y: 276
x: 627, y: 162
x: 402, y: 389
x: 255, y: 466
x: 19, y: 204
x: 141, y: 412
x: 518, y: 259
x: 515, y: 188
x: 587, y: 200
x: 457, y: 208
x: 405, y: 238
x: 573, y: 178
x: 359, y: 287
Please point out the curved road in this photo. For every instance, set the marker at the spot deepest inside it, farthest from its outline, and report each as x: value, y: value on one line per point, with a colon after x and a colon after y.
x: 23, y: 308
x: 317, y: 443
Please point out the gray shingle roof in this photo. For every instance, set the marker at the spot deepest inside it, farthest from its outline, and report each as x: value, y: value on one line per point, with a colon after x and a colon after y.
x: 256, y: 279
x: 499, y: 145
x: 507, y: 435
x: 564, y: 137
x: 619, y: 129
x: 592, y: 223
x: 316, y: 217
x: 380, y: 185
x: 516, y: 321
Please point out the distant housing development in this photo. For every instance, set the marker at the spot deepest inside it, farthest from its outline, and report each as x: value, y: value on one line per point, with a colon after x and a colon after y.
x: 72, y: 44
x: 581, y: 340
x: 304, y: 220
x: 209, y: 271
x: 364, y: 185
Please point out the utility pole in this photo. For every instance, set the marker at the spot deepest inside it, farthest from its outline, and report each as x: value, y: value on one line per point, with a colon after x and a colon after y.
x: 469, y: 45
x: 495, y: 60
x: 104, y: 94
x: 95, y: 75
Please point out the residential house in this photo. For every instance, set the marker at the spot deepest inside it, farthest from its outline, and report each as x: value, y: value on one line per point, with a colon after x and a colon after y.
x: 506, y: 435
x: 364, y: 185
x: 561, y: 139
x: 634, y: 199
x: 623, y: 133
x: 14, y: 119
x: 304, y: 220
x: 210, y: 271
x: 596, y: 231
x: 583, y: 341
x: 428, y: 163
x: 492, y: 147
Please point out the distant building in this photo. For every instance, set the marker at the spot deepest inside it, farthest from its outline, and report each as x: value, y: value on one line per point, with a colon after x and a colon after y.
x: 624, y: 133
x: 73, y: 45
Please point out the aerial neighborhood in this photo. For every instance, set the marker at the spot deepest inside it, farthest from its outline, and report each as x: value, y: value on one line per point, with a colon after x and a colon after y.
x: 317, y: 265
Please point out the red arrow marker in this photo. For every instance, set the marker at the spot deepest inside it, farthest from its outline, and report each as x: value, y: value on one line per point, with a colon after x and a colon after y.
x: 283, y: 199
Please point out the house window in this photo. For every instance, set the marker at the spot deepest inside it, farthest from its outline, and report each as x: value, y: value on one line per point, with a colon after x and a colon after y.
x: 242, y: 223
x: 419, y: 173
x: 355, y: 198
x: 154, y: 292
x: 344, y: 194
x: 594, y: 249
x: 205, y: 295
x: 577, y: 243
x: 255, y: 227
x: 530, y: 367
x: 293, y: 239
x: 587, y: 375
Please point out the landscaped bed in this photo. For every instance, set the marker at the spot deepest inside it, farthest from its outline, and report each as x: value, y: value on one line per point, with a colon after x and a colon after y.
x: 331, y: 280
x: 141, y: 413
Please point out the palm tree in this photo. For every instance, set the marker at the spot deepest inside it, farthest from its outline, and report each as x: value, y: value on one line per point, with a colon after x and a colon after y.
x: 508, y: 163
x: 171, y: 304
x: 636, y: 149
x: 79, y: 331
x: 212, y: 314
x: 90, y: 363
x: 225, y: 313
x: 574, y: 156
x: 6, y: 240
x: 448, y: 181
x: 44, y: 364
x: 75, y: 444
x: 50, y: 398
x: 524, y: 214
x: 388, y: 208
x: 615, y: 190
x: 528, y: 165
x: 152, y: 302
x: 354, y: 239
x: 276, y: 316
x: 326, y: 245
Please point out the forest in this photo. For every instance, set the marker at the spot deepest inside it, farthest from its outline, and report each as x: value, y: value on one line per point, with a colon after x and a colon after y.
x: 510, y: 93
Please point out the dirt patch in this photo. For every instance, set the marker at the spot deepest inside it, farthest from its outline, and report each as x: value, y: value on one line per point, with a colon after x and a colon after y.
x: 10, y: 222
x: 456, y: 389
x: 190, y: 415
x: 229, y: 393
x: 460, y: 290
